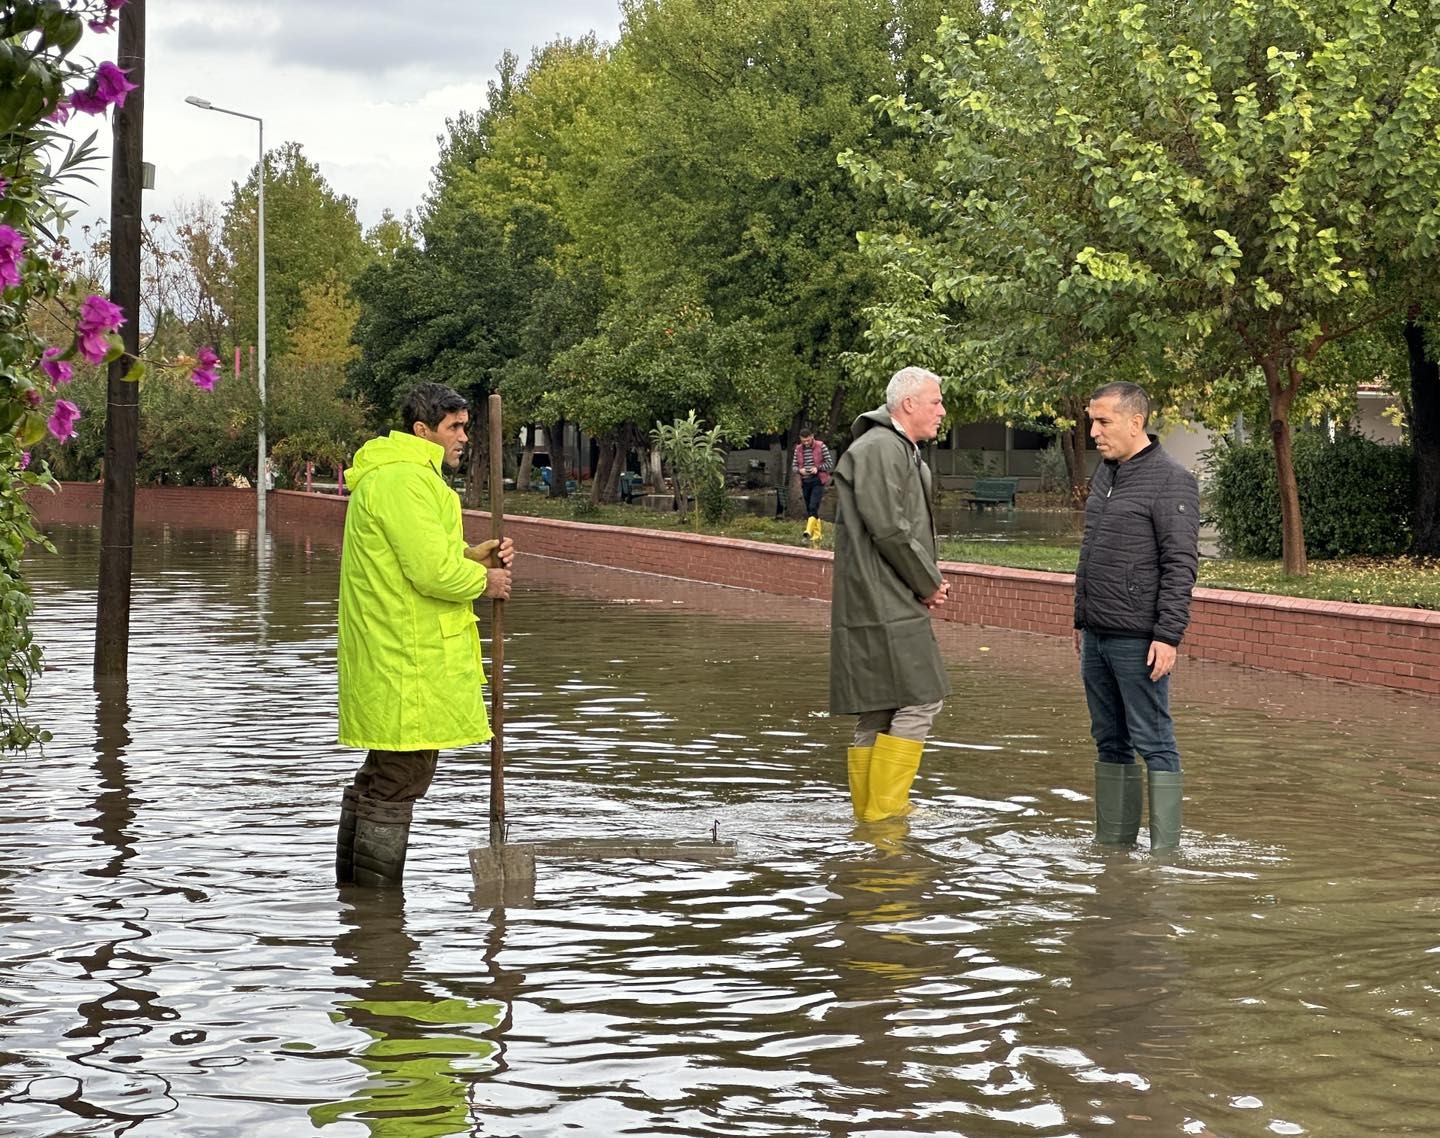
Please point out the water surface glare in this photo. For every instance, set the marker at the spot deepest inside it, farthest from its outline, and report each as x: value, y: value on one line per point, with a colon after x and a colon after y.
x: 176, y: 961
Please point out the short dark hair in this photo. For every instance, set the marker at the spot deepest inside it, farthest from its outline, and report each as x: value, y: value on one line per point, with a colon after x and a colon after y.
x: 807, y: 431
x: 1130, y: 396
x: 429, y: 403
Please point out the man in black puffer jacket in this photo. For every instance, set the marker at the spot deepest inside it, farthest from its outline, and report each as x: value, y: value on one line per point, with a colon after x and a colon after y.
x: 1132, y: 602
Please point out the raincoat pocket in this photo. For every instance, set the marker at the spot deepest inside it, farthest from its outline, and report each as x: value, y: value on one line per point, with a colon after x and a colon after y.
x: 461, y: 638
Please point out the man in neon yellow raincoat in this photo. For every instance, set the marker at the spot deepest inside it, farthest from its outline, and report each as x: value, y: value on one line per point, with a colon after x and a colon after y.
x: 410, y: 672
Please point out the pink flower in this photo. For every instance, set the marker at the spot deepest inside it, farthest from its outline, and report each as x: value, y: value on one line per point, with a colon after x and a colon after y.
x: 111, y: 7
x: 63, y: 419
x: 61, y: 113
x: 4, y: 186
x: 12, y: 244
x: 98, y: 318
x: 24, y: 459
x: 109, y: 87
x: 59, y: 371
x: 204, y: 374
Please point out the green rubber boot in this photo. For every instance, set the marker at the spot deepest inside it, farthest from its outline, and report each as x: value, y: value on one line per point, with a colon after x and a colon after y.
x: 1166, y: 791
x: 345, y: 839
x: 382, y: 837
x: 1117, y: 803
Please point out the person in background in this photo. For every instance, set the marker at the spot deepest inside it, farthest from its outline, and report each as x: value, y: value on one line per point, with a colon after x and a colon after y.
x: 814, y: 462
x: 885, y: 664
x: 411, y: 678
x: 1138, y: 560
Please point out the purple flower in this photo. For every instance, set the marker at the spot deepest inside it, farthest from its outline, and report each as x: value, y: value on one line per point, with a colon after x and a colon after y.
x: 63, y: 419
x: 98, y: 318
x: 4, y: 186
x: 24, y: 459
x: 12, y: 244
x: 58, y: 370
x: 33, y: 397
x: 204, y: 374
x: 61, y: 112
x: 109, y: 87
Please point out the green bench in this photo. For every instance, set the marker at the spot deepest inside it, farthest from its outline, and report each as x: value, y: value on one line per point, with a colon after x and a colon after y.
x: 993, y: 492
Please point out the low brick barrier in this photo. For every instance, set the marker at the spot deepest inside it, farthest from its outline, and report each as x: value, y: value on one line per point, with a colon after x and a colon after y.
x: 1367, y: 644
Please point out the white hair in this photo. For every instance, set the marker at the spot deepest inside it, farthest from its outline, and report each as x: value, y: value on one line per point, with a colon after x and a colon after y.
x: 905, y: 382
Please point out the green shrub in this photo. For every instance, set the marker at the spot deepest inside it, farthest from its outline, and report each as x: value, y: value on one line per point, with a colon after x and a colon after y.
x: 1355, y: 496
x: 715, y: 505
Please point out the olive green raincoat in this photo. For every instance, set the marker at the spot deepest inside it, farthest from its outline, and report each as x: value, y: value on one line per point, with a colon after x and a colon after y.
x: 883, y: 652
x: 410, y: 671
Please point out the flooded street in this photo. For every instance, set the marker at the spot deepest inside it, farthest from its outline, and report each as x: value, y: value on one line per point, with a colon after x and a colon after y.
x: 176, y: 961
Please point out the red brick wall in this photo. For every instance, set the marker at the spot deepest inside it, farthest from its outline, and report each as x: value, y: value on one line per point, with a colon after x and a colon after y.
x: 1369, y: 644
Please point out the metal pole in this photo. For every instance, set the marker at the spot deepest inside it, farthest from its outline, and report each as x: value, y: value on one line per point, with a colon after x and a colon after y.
x: 260, y: 479
x: 497, y: 633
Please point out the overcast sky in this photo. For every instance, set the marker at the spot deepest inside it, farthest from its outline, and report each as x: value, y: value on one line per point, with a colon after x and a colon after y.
x: 365, y: 87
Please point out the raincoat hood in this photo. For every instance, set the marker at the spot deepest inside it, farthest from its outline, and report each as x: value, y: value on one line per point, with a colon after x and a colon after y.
x: 397, y: 446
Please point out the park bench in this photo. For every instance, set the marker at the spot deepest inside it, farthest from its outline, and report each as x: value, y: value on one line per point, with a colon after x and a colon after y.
x: 993, y: 492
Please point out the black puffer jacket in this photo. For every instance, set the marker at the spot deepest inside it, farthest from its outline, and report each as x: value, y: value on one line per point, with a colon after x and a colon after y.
x: 1141, y: 548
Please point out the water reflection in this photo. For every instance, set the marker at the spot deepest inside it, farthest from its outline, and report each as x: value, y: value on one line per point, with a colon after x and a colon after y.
x: 177, y: 961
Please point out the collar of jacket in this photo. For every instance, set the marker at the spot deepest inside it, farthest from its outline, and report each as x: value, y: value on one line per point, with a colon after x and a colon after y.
x: 1151, y: 448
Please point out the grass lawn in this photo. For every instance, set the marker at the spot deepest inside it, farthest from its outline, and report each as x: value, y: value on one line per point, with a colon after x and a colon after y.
x: 1404, y: 581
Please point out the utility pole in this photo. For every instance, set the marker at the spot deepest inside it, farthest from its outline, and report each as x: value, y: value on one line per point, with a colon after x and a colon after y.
x: 122, y: 421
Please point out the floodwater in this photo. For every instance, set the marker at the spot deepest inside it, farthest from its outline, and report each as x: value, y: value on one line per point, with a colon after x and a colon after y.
x: 176, y: 961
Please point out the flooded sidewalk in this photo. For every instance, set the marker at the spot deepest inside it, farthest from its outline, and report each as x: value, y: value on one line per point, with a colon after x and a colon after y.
x: 176, y: 960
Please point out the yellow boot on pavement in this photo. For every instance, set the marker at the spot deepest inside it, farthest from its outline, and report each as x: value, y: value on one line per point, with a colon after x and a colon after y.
x: 858, y: 762
x: 892, y: 769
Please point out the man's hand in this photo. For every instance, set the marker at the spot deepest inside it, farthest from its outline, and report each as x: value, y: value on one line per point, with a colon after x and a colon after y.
x: 1078, y: 639
x: 493, y: 554
x: 1161, y: 659
x: 937, y: 598
x: 497, y: 585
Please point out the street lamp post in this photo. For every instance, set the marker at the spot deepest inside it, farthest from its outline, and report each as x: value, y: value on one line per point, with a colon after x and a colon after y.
x: 206, y: 105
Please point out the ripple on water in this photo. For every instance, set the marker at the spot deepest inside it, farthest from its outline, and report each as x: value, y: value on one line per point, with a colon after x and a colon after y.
x: 176, y: 960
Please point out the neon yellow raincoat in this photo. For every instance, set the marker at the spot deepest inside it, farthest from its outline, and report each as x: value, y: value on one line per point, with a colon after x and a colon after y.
x: 410, y: 670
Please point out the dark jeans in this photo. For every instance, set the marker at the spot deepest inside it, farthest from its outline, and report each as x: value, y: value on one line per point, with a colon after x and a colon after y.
x: 814, y: 490
x: 1129, y: 711
x: 396, y: 776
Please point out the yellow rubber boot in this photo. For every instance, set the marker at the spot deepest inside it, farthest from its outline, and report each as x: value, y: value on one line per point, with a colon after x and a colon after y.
x: 819, y: 529
x: 892, y: 770
x: 858, y: 762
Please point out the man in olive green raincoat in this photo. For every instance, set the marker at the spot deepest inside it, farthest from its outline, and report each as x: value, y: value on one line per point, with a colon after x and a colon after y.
x: 885, y: 664
x: 409, y: 649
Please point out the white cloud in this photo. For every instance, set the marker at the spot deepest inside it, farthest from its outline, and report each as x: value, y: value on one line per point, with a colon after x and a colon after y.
x: 365, y: 87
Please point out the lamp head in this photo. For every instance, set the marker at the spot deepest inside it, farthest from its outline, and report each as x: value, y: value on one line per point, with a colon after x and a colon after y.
x: 196, y: 101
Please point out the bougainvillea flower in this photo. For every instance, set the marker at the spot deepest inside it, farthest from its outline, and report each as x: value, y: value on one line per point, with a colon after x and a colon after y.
x: 59, y: 371
x: 108, y: 88
x: 12, y: 245
x: 63, y: 419
x: 98, y: 318
x: 204, y: 374
x: 61, y: 113
x: 24, y: 459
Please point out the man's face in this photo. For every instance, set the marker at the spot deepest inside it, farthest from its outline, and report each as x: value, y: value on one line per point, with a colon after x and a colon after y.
x: 925, y: 411
x: 449, y: 433
x: 1116, y: 434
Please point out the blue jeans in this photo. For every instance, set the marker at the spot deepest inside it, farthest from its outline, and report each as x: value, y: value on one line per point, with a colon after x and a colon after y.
x: 1129, y: 711
x: 814, y: 490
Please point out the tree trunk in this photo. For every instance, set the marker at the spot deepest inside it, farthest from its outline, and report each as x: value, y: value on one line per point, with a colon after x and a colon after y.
x: 601, y: 485
x: 795, y: 495
x: 479, y: 456
x: 1072, y: 445
x: 654, y: 470
x: 527, y: 458
x: 837, y: 408
x: 1292, y: 527
x: 555, y: 439
x: 776, y: 472
x: 1424, y: 441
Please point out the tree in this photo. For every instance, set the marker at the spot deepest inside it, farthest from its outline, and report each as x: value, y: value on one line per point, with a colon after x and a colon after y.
x: 1219, y: 187
x: 694, y: 455
x: 311, y: 234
